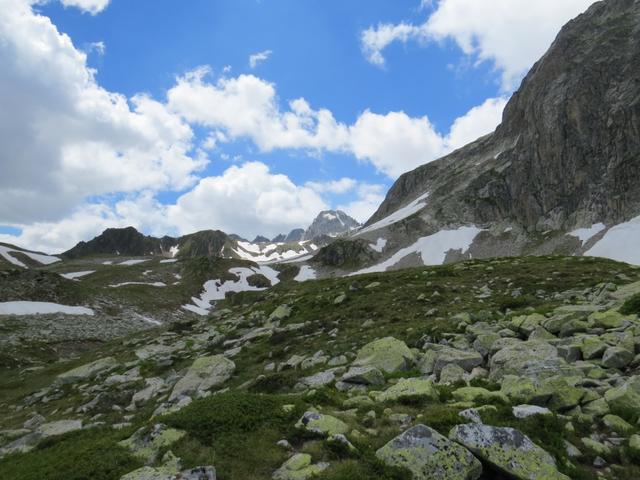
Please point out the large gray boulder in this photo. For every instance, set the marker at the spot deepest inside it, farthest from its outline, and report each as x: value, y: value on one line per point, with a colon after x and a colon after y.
x: 88, y: 371
x: 430, y: 456
x: 534, y: 359
x: 387, y: 354
x: 507, y: 450
x: 204, y: 374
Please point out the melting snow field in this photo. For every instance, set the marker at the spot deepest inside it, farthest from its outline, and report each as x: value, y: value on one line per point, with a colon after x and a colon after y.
x: 379, y: 245
x: 586, y: 234
x: 305, y: 273
x: 400, y: 214
x: 40, y: 308
x: 171, y: 260
x: 76, y: 275
x: 268, y: 254
x: 38, y: 257
x: 433, y: 249
x: 133, y: 262
x: 217, y: 289
x: 154, y: 284
x: 620, y: 243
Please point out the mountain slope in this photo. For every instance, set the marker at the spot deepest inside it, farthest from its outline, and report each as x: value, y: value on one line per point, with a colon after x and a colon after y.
x: 330, y: 223
x: 565, y: 162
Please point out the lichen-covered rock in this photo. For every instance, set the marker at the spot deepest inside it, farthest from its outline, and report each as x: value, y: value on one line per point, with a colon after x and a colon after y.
x: 534, y: 359
x: 409, y: 390
x: 518, y: 389
x: 367, y: 375
x: 58, y: 427
x: 467, y: 360
x: 478, y: 395
x: 508, y: 450
x: 634, y: 444
x: 281, y: 313
x: 204, y: 374
x: 451, y: 374
x: 430, y: 456
x: 145, y: 444
x: 616, y: 357
x: 526, y: 411
x: 298, y: 467
x: 320, y: 379
x: 88, y: 371
x: 321, y: 424
x: 592, y: 347
x: 387, y: 354
x: 608, y: 319
x: 617, y: 424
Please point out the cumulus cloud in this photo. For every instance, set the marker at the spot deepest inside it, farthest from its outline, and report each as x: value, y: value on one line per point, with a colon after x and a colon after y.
x: 342, y: 185
x: 475, y: 123
x: 258, y: 58
x: 65, y: 138
x: 90, y: 6
x: 512, y: 34
x: 246, y: 200
x: 368, y: 199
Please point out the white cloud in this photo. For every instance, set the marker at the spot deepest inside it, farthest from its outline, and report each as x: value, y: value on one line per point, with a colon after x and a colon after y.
x: 90, y: 6
x: 369, y: 198
x: 258, y: 58
x: 99, y: 47
x: 247, y: 106
x: 246, y: 200
x: 512, y: 34
x: 342, y: 185
x: 475, y: 123
x: 65, y: 138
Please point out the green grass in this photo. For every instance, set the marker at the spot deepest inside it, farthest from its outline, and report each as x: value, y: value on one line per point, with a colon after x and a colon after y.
x: 91, y: 454
x: 242, y: 430
x: 631, y: 306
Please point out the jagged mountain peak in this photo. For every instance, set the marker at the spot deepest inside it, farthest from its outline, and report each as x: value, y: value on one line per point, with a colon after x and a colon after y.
x: 331, y: 223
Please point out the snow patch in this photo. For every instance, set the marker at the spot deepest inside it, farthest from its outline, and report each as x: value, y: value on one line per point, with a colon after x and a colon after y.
x: 379, y: 245
x: 75, y: 275
x: 174, y: 251
x: 432, y: 249
x: 305, y: 273
x: 620, y: 243
x: 400, y: 214
x: 38, y: 257
x: 41, y: 308
x: 586, y: 234
x: 154, y: 284
x: 329, y: 216
x: 133, y: 262
x: 171, y: 260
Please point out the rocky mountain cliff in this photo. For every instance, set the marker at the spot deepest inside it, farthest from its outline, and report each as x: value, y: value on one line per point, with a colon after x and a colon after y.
x: 331, y: 223
x: 122, y: 241
x: 560, y: 172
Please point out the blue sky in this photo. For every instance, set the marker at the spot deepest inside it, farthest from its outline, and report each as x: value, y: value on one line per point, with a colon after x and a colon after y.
x: 123, y: 136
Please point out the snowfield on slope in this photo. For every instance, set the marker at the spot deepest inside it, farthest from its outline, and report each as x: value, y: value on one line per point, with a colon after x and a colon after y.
x: 306, y: 273
x: 432, y: 249
x: 41, y: 308
x: 400, y: 214
x: 621, y: 243
x: 586, y: 234
x: 268, y: 253
x: 217, y: 289
x: 5, y: 252
x: 76, y: 275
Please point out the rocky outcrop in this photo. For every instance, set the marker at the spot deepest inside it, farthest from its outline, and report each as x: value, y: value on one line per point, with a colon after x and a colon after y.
x: 330, y: 223
x: 566, y: 156
x: 122, y: 241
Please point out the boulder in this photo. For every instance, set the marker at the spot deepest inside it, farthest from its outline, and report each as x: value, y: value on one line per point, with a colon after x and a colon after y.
x: 467, y: 360
x: 87, y: 371
x: 204, y: 374
x: 534, y: 359
x: 364, y: 376
x: 478, y: 395
x: 617, y: 424
x: 608, y: 319
x: 430, y: 456
x: 145, y: 444
x: 526, y: 411
x: 616, y: 357
x: 410, y: 390
x: 298, y: 467
x: 507, y: 450
x: 592, y: 347
x: 58, y: 427
x: 320, y: 424
x: 387, y: 354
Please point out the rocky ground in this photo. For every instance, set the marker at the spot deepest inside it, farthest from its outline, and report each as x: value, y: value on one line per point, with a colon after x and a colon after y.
x: 523, y: 368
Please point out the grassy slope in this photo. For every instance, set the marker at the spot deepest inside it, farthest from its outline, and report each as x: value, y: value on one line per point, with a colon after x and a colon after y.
x: 237, y: 431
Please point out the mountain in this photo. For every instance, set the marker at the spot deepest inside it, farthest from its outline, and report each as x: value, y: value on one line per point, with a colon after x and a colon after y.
x: 122, y: 241
x: 295, y: 235
x: 261, y: 239
x: 559, y: 175
x: 331, y: 223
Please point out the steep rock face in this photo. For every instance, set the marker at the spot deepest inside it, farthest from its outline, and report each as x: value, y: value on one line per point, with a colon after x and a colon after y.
x: 122, y: 241
x: 331, y: 223
x: 566, y: 156
x: 207, y: 243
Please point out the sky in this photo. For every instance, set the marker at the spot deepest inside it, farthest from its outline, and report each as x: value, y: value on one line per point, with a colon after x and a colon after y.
x: 248, y: 116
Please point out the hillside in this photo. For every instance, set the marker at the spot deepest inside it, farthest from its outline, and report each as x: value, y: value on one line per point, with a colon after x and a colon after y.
x: 532, y: 344
x: 559, y: 175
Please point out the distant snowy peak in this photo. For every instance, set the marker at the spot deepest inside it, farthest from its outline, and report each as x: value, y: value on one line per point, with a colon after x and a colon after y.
x: 331, y: 223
